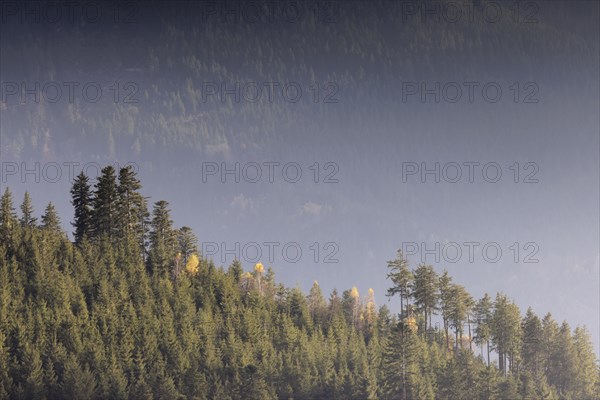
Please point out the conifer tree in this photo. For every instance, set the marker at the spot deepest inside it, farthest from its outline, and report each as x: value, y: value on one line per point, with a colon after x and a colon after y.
x: 506, y: 332
x: 550, y: 331
x: 50, y: 219
x: 566, y: 360
x: 500, y: 330
x: 460, y: 306
x: 5, y: 378
x: 586, y: 380
x: 106, y: 206
x: 162, y: 239
x: 425, y: 292
x: 82, y: 201
x: 483, y: 319
x: 401, y: 278
x: 27, y: 218
x: 401, y: 366
x: 188, y: 243
x: 34, y: 380
x: 532, y: 351
x: 7, y: 211
x: 132, y: 210
x: 445, y: 282
x: 236, y: 270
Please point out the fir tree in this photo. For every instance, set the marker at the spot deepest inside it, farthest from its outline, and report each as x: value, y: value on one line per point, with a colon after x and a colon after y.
x: 8, y: 218
x: 162, y: 240
x: 106, y: 205
x: 50, y: 219
x: 483, y: 319
x: 188, y: 243
x: 27, y: 218
x: 425, y: 292
x: 132, y: 210
x: 445, y: 282
x: 81, y: 199
x: 401, y: 278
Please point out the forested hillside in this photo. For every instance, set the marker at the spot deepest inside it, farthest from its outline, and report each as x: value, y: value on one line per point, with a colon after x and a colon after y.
x: 154, y: 73
x: 131, y: 309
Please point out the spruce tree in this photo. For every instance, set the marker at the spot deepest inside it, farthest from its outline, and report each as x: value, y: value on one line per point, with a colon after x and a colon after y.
x: 425, y: 293
x: 445, y: 282
x: 106, y: 204
x: 532, y: 349
x: 401, y: 278
x: 50, y: 219
x: 459, y: 308
x: 82, y: 201
x: 483, y: 319
x: 27, y: 218
x: 34, y: 381
x: 566, y: 360
x: 400, y: 364
x: 550, y: 332
x: 188, y: 243
x: 5, y: 378
x: 162, y: 240
x: 8, y: 217
x: 132, y: 209
x: 586, y: 369
x: 236, y: 270
x: 8, y: 220
x: 506, y: 332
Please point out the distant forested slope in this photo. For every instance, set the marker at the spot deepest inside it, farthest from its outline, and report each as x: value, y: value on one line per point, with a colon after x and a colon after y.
x: 170, y: 55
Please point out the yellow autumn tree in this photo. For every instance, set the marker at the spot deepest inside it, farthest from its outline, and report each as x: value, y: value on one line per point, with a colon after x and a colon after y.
x: 356, y: 306
x: 192, y: 264
x: 258, y: 270
x: 411, y: 321
x: 371, y: 309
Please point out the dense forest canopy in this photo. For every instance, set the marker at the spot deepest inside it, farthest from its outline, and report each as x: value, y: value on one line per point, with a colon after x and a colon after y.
x: 131, y: 309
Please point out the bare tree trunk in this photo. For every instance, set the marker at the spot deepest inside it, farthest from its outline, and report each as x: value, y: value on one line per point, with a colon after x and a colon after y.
x: 470, y: 339
x: 456, y: 340
x: 447, y: 337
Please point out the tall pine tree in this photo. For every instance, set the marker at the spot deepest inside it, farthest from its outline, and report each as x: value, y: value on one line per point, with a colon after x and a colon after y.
x: 162, y: 240
x: 27, y: 218
x: 81, y: 199
x: 106, y: 204
x: 50, y: 219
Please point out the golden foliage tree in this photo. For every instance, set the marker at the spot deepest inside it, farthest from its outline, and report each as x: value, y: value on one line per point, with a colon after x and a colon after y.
x: 192, y: 264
